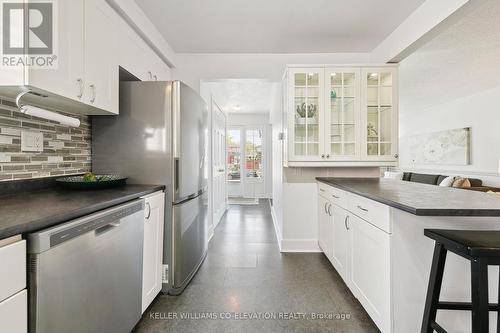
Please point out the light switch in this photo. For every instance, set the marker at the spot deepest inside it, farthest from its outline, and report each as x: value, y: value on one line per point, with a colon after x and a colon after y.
x: 32, y: 141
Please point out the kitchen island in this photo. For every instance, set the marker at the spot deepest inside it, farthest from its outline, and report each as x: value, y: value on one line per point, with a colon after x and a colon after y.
x: 379, y: 248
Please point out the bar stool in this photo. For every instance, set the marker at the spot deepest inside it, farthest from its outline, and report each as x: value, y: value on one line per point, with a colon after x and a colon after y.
x: 482, y: 248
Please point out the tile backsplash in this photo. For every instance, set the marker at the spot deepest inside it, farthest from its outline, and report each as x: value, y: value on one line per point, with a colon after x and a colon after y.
x: 66, y: 150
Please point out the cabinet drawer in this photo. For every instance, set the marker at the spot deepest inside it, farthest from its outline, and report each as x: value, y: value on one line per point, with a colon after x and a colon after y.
x: 333, y: 194
x: 374, y: 212
x: 14, y: 313
x: 12, y: 269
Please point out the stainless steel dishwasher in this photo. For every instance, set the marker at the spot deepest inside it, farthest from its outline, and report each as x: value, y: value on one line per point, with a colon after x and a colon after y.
x: 86, y: 275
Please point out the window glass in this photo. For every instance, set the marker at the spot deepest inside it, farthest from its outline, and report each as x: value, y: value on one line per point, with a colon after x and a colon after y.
x: 253, y: 153
x: 233, y: 154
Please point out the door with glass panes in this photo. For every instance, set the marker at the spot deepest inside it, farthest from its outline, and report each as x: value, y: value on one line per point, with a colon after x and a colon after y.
x: 306, y: 114
x: 341, y: 121
x: 379, y: 114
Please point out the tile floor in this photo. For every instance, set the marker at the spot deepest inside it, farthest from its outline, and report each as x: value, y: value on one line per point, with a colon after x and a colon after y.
x: 244, y: 273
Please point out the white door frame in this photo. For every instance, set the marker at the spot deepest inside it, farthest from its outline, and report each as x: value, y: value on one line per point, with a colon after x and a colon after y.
x: 218, y: 164
x: 235, y: 187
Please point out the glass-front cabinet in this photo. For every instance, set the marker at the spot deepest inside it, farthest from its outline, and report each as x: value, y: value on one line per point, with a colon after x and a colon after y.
x: 306, y: 115
x: 341, y: 115
x: 379, y: 110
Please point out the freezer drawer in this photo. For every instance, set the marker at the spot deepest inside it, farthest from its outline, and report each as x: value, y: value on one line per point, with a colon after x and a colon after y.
x: 189, y: 239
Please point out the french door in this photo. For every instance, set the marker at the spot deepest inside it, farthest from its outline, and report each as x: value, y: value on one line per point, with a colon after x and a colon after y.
x: 245, y: 161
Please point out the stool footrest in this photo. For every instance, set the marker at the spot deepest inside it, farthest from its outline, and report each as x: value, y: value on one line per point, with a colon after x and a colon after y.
x: 438, y: 327
x: 463, y: 306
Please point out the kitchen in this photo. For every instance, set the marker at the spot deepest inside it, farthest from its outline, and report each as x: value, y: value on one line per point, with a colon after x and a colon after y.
x: 121, y: 202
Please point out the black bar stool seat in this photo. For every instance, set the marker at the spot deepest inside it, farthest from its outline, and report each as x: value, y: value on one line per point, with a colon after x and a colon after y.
x: 482, y: 248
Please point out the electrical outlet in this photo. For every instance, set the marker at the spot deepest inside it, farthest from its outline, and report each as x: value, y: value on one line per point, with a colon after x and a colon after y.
x: 32, y: 141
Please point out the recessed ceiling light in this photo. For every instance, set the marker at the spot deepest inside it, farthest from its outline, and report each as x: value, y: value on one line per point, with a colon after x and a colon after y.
x: 373, y: 75
x: 333, y: 74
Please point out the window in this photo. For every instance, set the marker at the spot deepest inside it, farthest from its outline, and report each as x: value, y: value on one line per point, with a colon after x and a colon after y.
x: 253, y: 153
x: 234, y: 154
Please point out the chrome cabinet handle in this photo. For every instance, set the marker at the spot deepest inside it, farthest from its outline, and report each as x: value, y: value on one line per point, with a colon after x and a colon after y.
x: 345, y: 222
x: 155, y: 77
x: 396, y: 155
x: 363, y: 209
x: 329, y: 207
x: 326, y: 212
x: 322, y: 189
x: 327, y: 155
x: 80, y: 88
x: 150, y: 75
x: 335, y: 196
x: 322, y: 155
x: 149, y: 210
x: 92, y: 87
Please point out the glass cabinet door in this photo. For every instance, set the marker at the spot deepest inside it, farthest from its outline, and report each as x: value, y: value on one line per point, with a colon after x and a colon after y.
x: 342, y: 113
x: 380, y: 113
x: 306, y: 103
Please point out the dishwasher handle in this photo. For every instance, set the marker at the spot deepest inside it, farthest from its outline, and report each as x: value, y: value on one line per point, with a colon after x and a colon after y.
x: 99, y: 222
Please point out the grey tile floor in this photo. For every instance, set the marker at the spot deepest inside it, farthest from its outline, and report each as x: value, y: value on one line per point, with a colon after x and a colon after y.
x: 245, y: 274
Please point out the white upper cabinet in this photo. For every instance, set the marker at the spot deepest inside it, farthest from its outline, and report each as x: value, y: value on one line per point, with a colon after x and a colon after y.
x: 92, y: 43
x: 341, y: 125
x: 101, y: 63
x: 341, y: 116
x: 379, y: 113
x: 67, y: 79
x: 306, y: 114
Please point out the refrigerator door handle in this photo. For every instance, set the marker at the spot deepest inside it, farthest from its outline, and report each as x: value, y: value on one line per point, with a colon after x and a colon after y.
x: 176, y: 175
x: 176, y: 119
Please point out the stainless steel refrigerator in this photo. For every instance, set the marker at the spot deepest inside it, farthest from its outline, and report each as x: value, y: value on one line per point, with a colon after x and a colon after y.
x: 161, y: 137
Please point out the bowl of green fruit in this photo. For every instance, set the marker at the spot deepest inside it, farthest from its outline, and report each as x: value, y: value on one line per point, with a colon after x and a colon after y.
x: 89, y: 181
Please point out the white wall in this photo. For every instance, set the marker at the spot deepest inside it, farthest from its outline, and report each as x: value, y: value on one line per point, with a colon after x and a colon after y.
x: 453, y: 82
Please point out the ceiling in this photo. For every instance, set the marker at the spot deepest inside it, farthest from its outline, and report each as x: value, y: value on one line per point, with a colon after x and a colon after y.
x: 242, y: 96
x: 276, y: 26
x: 459, y: 62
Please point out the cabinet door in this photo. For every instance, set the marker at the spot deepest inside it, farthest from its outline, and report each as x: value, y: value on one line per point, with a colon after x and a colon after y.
x: 101, y: 58
x: 153, y: 248
x: 342, y: 114
x: 325, y: 227
x: 306, y: 112
x: 67, y: 79
x: 370, y: 271
x: 380, y: 114
x: 341, y: 242
x: 14, y: 313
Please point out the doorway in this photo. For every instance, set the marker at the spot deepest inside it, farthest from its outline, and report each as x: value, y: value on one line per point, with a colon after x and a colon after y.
x: 246, y: 161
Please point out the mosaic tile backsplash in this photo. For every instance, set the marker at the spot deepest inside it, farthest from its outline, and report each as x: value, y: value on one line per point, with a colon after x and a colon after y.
x: 66, y: 150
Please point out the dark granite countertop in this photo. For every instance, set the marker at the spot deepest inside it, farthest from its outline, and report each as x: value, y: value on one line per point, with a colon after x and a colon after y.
x: 25, y: 212
x: 420, y: 199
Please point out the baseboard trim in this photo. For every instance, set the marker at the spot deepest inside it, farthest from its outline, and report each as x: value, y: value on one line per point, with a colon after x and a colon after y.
x: 277, y: 230
x: 300, y: 245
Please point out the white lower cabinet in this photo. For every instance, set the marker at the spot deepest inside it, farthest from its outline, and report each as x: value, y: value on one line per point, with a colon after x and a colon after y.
x: 13, y: 294
x: 325, y: 227
x: 153, y: 247
x: 341, y: 243
x: 370, y: 270
x: 14, y: 313
x: 360, y: 252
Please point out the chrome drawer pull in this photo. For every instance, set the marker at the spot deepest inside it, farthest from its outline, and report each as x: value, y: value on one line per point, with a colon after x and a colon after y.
x: 335, y: 196
x: 363, y: 209
x: 345, y: 222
